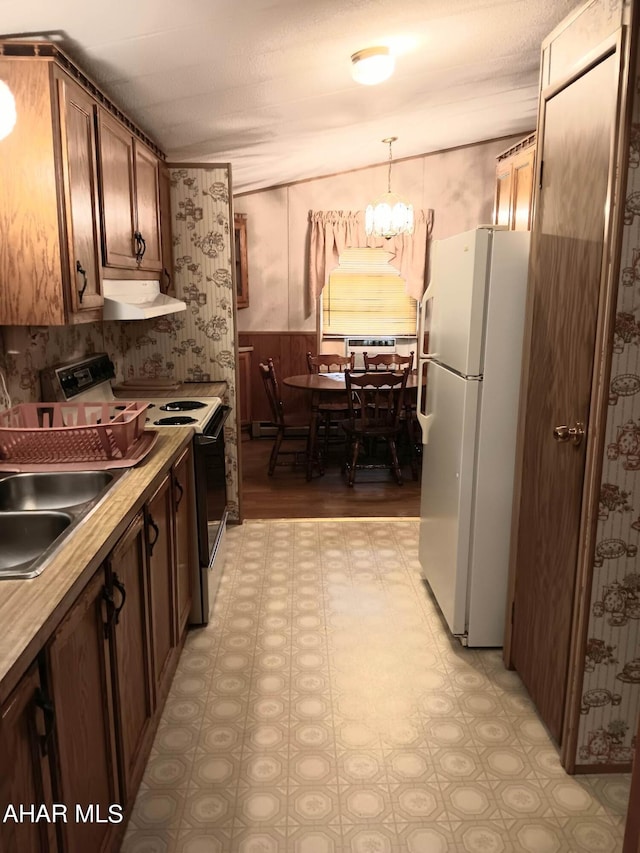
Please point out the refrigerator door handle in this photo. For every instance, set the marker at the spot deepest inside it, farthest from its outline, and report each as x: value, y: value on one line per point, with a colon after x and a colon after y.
x: 425, y: 421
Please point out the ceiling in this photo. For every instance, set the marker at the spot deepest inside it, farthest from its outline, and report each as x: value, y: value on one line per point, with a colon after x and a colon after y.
x: 266, y: 84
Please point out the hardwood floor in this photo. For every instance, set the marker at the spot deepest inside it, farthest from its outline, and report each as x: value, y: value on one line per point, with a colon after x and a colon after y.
x: 288, y: 494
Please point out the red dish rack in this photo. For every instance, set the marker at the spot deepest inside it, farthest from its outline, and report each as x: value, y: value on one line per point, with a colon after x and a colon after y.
x: 91, y: 435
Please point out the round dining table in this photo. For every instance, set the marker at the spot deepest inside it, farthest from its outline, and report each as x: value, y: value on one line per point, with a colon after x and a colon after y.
x: 320, y: 385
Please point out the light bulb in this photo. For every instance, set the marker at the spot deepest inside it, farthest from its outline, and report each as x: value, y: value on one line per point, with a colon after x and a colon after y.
x: 372, y: 65
x: 7, y: 110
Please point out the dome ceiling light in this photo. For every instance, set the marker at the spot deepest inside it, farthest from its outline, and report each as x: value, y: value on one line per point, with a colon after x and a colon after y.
x: 372, y: 65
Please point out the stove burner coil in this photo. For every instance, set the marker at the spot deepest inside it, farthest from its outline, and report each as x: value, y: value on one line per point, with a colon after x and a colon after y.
x: 177, y: 420
x: 182, y: 406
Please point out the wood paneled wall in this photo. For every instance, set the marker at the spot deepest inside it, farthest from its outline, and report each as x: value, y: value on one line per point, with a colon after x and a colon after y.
x: 289, y: 353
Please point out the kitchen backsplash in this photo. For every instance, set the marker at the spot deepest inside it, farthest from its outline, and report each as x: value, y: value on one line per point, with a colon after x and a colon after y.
x: 195, y: 345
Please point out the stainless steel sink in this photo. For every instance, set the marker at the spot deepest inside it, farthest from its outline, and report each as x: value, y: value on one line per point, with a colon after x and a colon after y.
x: 25, y: 536
x: 38, y: 511
x: 51, y: 490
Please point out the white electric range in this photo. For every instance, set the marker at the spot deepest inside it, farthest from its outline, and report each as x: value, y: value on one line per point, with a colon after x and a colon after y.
x: 89, y: 380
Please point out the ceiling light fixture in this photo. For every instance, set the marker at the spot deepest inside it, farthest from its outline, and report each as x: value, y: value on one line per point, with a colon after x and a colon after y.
x: 389, y: 215
x: 7, y: 110
x: 372, y: 65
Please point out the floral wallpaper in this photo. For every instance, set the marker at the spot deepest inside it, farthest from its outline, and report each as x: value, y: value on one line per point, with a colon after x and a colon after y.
x: 197, y: 345
x: 611, y: 687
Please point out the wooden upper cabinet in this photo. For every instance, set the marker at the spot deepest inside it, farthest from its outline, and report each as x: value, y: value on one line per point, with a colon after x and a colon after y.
x: 148, y: 206
x: 167, y: 284
x: 48, y: 204
x: 77, y: 117
x: 118, y: 193
x: 130, y: 198
x: 515, y: 172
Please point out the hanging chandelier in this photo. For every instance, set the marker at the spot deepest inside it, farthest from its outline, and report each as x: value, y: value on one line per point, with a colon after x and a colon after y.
x: 389, y: 215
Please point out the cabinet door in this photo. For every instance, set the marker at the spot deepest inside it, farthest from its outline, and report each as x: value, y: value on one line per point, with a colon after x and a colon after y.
x: 504, y: 182
x: 167, y: 284
x: 522, y: 189
x: 131, y: 646
x: 244, y: 387
x: 117, y: 193
x: 186, y: 536
x: 80, y: 670
x: 148, y: 207
x: 161, y: 585
x: 25, y: 723
x: 241, y: 266
x: 79, y: 159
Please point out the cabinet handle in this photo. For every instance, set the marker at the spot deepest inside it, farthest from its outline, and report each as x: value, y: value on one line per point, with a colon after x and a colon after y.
x: 180, y: 488
x: 79, y: 268
x: 111, y: 610
x: 168, y: 277
x: 157, y: 532
x: 123, y: 592
x: 141, y: 246
x: 46, y: 706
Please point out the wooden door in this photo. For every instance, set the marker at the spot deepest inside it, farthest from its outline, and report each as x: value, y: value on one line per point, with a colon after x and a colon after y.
x: 522, y: 189
x: 131, y: 647
x: 80, y: 669
x: 186, y: 538
x: 117, y: 193
x: 159, y: 516
x: 502, y: 203
x: 148, y: 207
x: 79, y: 163
x: 25, y: 726
x: 564, y: 285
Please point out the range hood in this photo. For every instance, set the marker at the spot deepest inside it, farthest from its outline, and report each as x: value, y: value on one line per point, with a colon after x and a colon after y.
x: 137, y: 300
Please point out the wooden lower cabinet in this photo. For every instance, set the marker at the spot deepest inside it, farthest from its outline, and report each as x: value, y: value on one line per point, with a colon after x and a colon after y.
x: 80, y: 671
x: 25, y: 727
x: 128, y: 588
x: 159, y: 527
x: 186, y: 542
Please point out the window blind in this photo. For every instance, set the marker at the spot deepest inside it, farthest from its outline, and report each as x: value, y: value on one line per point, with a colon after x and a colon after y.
x: 366, y: 296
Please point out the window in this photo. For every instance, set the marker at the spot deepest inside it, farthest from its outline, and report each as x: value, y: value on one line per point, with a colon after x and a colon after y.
x: 365, y: 295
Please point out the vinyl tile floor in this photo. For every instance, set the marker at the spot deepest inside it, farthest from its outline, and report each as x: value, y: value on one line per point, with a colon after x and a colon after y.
x: 325, y: 709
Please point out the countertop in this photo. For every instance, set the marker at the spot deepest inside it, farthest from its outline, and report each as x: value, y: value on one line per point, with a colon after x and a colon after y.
x: 30, y: 610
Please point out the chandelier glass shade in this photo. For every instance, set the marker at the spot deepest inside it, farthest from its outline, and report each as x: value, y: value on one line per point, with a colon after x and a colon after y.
x: 389, y: 215
x: 7, y: 110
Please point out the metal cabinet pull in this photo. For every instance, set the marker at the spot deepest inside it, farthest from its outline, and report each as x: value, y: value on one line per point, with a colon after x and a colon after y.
x: 157, y: 532
x: 121, y: 589
x: 83, y: 273
x: 46, y: 706
x: 168, y: 277
x: 141, y: 246
x: 107, y: 597
x: 180, y: 488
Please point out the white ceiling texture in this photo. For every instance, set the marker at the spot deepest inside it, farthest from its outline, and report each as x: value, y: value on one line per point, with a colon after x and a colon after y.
x: 266, y: 84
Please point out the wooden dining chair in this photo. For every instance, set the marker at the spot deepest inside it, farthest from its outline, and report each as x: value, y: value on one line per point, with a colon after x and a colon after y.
x: 288, y: 428
x: 409, y: 417
x: 333, y: 408
x: 380, y: 398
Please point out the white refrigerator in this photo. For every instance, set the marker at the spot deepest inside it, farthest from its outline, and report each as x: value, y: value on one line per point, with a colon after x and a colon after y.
x: 468, y: 389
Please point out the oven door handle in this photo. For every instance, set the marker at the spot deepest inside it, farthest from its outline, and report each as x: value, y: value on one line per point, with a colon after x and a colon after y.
x: 203, y: 439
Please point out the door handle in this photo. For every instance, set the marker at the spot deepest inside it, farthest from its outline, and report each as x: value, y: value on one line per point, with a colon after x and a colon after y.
x: 574, y: 434
x: 83, y: 273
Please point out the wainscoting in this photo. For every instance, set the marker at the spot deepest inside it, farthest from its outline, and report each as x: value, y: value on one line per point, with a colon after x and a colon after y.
x: 289, y: 353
